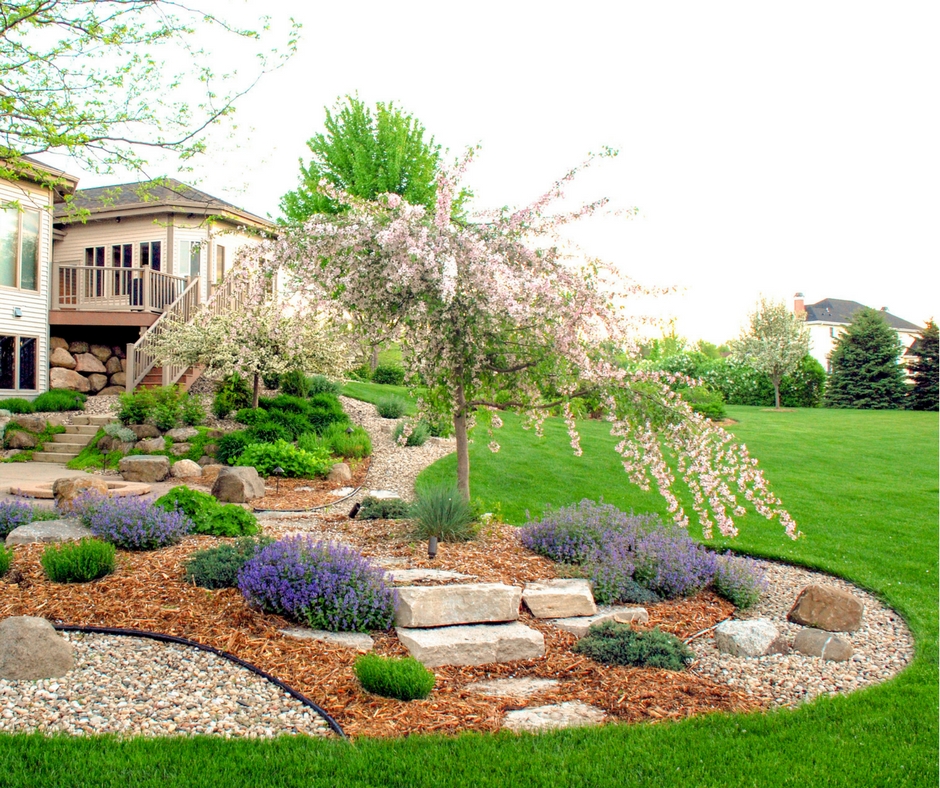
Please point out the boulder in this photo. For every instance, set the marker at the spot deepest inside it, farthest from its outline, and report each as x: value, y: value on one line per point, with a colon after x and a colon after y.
x: 185, y: 469
x: 118, y: 351
x: 119, y: 379
x: 570, y: 714
x: 210, y: 449
x: 60, y: 378
x: 96, y: 381
x: 110, y: 443
x: 559, y: 598
x: 144, y: 468
x: 123, y: 364
x: 580, y: 625
x: 215, y: 434
x: 512, y: 688
x: 210, y: 470
x: 151, y: 444
x: 20, y: 440
x: 751, y: 638
x: 340, y: 473
x: 78, y: 347
x: 143, y: 431
x: 100, y: 352
x: 475, y: 645
x: 67, y: 489
x: 31, y: 649
x: 441, y: 606
x: 111, y: 391
x: 825, y: 607
x: 113, y: 365
x: 31, y: 423
x: 237, y: 485
x: 181, y: 433
x: 179, y: 449
x: 417, y: 575
x: 818, y: 643
x: 57, y: 342
x: 46, y: 531
x: 86, y: 362
x: 60, y: 357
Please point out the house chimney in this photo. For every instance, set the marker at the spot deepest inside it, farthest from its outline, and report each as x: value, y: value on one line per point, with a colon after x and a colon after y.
x: 798, y: 308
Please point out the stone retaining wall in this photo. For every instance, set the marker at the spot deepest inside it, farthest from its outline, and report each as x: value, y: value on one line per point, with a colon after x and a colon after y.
x: 90, y: 369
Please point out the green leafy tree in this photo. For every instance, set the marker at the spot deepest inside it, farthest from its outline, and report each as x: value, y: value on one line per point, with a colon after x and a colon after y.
x: 865, y: 369
x: 774, y: 343
x: 925, y: 394
x: 805, y: 386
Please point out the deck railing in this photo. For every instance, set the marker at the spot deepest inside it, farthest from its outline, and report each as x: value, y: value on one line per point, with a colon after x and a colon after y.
x: 96, y: 288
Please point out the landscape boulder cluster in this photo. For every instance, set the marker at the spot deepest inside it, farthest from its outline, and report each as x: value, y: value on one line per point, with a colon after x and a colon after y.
x: 90, y: 369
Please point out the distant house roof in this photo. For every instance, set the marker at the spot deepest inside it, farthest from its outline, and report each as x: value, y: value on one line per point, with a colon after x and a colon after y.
x: 29, y: 169
x: 836, y: 310
x: 146, y: 196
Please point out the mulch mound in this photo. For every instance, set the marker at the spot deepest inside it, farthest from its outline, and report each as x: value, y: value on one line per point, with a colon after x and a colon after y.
x: 285, y: 495
x: 148, y: 592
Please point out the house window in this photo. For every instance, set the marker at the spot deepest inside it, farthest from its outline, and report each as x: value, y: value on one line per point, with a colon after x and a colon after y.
x: 18, y: 363
x: 19, y: 248
x: 219, y: 264
x: 190, y: 261
x: 94, y: 257
x: 150, y: 254
x: 832, y: 332
x: 122, y: 257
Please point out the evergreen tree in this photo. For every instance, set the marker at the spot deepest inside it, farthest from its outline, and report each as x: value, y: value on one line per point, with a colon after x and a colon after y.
x: 865, y: 369
x: 926, y: 391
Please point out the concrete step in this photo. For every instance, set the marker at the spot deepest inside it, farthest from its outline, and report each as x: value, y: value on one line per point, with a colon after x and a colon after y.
x: 53, y: 456
x: 81, y: 429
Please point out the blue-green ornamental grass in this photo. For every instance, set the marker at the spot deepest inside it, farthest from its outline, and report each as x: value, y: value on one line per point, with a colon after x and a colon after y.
x: 402, y: 678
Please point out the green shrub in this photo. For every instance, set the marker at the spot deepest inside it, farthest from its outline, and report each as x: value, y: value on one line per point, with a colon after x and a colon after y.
x: 295, y: 424
x: 319, y: 384
x: 219, y: 566
x: 230, y: 520
x: 268, y: 432
x: 286, y: 402
x: 440, y: 510
x: 617, y: 644
x: 403, y: 678
x: 251, y: 416
x: 704, y: 401
x: 230, y: 446
x: 383, y: 509
x: 272, y: 380
x: 363, y: 372
x: 192, y: 412
x: 391, y: 407
x: 120, y: 432
x: 265, y: 457
x: 310, y: 441
x: 59, y: 400
x: 78, y: 562
x: 389, y: 374
x: 165, y: 416
x: 418, y: 436
x: 136, y: 406
x: 18, y: 405
x: 231, y: 393
x: 347, y: 442
x: 6, y: 558
x: 295, y: 383
x: 208, y: 515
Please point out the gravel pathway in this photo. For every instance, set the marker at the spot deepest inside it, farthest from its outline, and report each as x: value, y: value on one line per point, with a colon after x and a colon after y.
x: 140, y: 687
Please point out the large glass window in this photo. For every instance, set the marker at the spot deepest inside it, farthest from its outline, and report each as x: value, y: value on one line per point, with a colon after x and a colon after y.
x: 190, y: 259
x: 150, y: 254
x: 19, y: 248
x: 18, y: 363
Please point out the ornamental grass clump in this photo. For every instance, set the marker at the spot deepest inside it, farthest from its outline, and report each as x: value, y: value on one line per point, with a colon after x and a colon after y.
x: 323, y: 585
x: 391, y: 407
x: 739, y: 580
x: 440, y: 510
x: 131, y: 523
x: 611, y: 643
x: 78, y: 562
x: 346, y: 442
x: 402, y: 678
x: 411, y: 433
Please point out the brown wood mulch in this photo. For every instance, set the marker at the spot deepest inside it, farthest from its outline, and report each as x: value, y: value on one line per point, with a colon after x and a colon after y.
x: 303, y: 494
x: 147, y: 591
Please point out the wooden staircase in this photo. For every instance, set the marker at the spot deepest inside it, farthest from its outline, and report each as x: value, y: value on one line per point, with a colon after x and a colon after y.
x: 68, y: 445
x: 154, y: 378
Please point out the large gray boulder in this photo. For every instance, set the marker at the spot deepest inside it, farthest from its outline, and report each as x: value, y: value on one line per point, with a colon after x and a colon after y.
x: 473, y: 645
x: 31, y: 649
x: 144, y: 468
x: 818, y: 643
x: 559, y: 598
x: 441, y: 606
x: 100, y: 352
x: 60, y: 378
x: 186, y: 469
x: 20, y: 440
x: 825, y: 607
x: 151, y: 444
x: 570, y: 714
x: 237, y: 485
x: 579, y: 625
x: 144, y: 431
x: 752, y: 638
x: 31, y: 423
x: 113, y: 366
x: 45, y: 531
x: 97, y: 382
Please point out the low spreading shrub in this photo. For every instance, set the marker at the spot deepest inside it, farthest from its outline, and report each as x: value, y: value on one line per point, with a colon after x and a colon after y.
x: 208, y: 515
x: 618, y: 644
x: 325, y: 586
x: 383, y: 509
x: 402, y: 678
x: 231, y: 393
x: 192, y: 412
x: 739, y: 580
x: 347, y: 442
x: 120, y: 432
x: 319, y: 384
x: 710, y: 404
x: 363, y: 372
x: 294, y: 424
x: 417, y: 433
x: 78, y: 562
x: 131, y: 523
x: 389, y: 374
x: 391, y: 407
x: 286, y: 402
x: 268, y: 432
x: 295, y: 383
x: 297, y: 463
x: 231, y: 520
x: 440, y: 510
x: 6, y: 558
x: 59, y: 400
x: 231, y: 446
x: 18, y: 405
x: 135, y: 406
x: 219, y: 566
x: 251, y: 416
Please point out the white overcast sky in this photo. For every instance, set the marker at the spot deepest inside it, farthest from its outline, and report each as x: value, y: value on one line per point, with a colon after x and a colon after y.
x: 769, y: 147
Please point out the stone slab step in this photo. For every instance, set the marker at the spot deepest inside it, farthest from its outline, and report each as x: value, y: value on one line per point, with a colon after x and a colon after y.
x: 53, y: 456
x: 441, y: 606
x: 93, y: 420
x: 570, y: 714
x: 559, y: 598
x: 70, y: 437
x: 579, y: 625
x: 81, y: 429
x: 480, y: 644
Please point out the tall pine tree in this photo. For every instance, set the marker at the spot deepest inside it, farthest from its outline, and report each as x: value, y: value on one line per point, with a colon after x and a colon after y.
x: 926, y: 392
x: 865, y: 370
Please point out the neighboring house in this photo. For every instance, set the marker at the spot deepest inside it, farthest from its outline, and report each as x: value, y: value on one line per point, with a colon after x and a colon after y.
x: 26, y: 236
x: 829, y: 318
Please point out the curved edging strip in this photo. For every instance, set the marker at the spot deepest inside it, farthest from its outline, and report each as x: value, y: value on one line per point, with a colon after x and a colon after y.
x: 139, y: 633
x: 312, y: 508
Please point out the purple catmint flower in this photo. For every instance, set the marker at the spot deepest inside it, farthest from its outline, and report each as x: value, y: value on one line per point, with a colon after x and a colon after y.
x: 670, y: 563
x: 740, y: 580
x: 13, y: 514
x: 131, y: 523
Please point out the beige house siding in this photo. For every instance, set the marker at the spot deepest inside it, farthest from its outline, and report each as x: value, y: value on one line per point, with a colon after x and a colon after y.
x: 132, y: 230
x: 34, y: 305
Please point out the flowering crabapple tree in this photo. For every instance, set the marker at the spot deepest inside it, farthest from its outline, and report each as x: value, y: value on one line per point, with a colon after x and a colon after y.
x: 251, y: 328
x: 495, y: 314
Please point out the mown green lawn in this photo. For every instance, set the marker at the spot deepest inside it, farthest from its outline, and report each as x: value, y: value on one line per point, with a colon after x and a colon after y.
x: 863, y: 487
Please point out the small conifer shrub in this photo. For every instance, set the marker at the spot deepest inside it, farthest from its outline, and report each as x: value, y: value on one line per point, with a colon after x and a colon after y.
x: 618, y: 644
x: 219, y: 566
x: 402, y: 678
x: 78, y: 562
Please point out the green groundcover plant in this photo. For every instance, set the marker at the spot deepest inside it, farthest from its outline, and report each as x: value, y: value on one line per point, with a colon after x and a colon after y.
x: 401, y: 678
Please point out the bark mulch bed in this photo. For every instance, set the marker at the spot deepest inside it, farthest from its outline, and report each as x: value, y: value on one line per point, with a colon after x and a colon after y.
x: 302, y: 494
x: 148, y: 592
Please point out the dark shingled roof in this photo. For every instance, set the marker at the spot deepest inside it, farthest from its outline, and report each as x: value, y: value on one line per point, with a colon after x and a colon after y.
x: 836, y: 310
x: 165, y: 191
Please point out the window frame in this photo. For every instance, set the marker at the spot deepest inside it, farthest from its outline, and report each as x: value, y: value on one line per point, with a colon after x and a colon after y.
x: 18, y: 259
x: 17, y: 362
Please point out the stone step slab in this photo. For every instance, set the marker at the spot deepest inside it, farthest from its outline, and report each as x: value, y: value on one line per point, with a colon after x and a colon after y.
x: 480, y: 644
x: 360, y: 641
x: 570, y: 714
x: 81, y: 429
x: 417, y: 575
x: 512, y: 688
x: 442, y: 606
x: 98, y: 421
x: 54, y: 456
x: 562, y: 598
x: 579, y: 625
x: 71, y: 437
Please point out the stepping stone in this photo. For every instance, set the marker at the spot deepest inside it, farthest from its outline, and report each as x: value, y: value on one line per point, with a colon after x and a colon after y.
x: 357, y: 640
x: 559, y: 598
x: 817, y: 643
x: 441, y: 606
x: 752, y: 638
x: 571, y: 714
x: 414, y: 575
x: 382, y: 495
x: 512, y: 688
x: 44, y: 531
x: 580, y: 625
x: 472, y: 645
x: 342, y: 492
x: 825, y: 607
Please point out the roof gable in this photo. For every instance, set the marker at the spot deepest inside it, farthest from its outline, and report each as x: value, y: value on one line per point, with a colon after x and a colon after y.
x: 837, y: 310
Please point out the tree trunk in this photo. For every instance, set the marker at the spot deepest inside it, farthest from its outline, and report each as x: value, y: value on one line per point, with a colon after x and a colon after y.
x: 776, y: 383
x: 374, y: 359
x: 256, y: 394
x: 463, y: 444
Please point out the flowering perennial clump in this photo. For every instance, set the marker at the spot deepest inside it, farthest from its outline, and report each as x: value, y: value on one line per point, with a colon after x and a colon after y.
x: 671, y: 564
x: 323, y: 585
x: 131, y: 523
x: 739, y: 580
x: 13, y: 514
